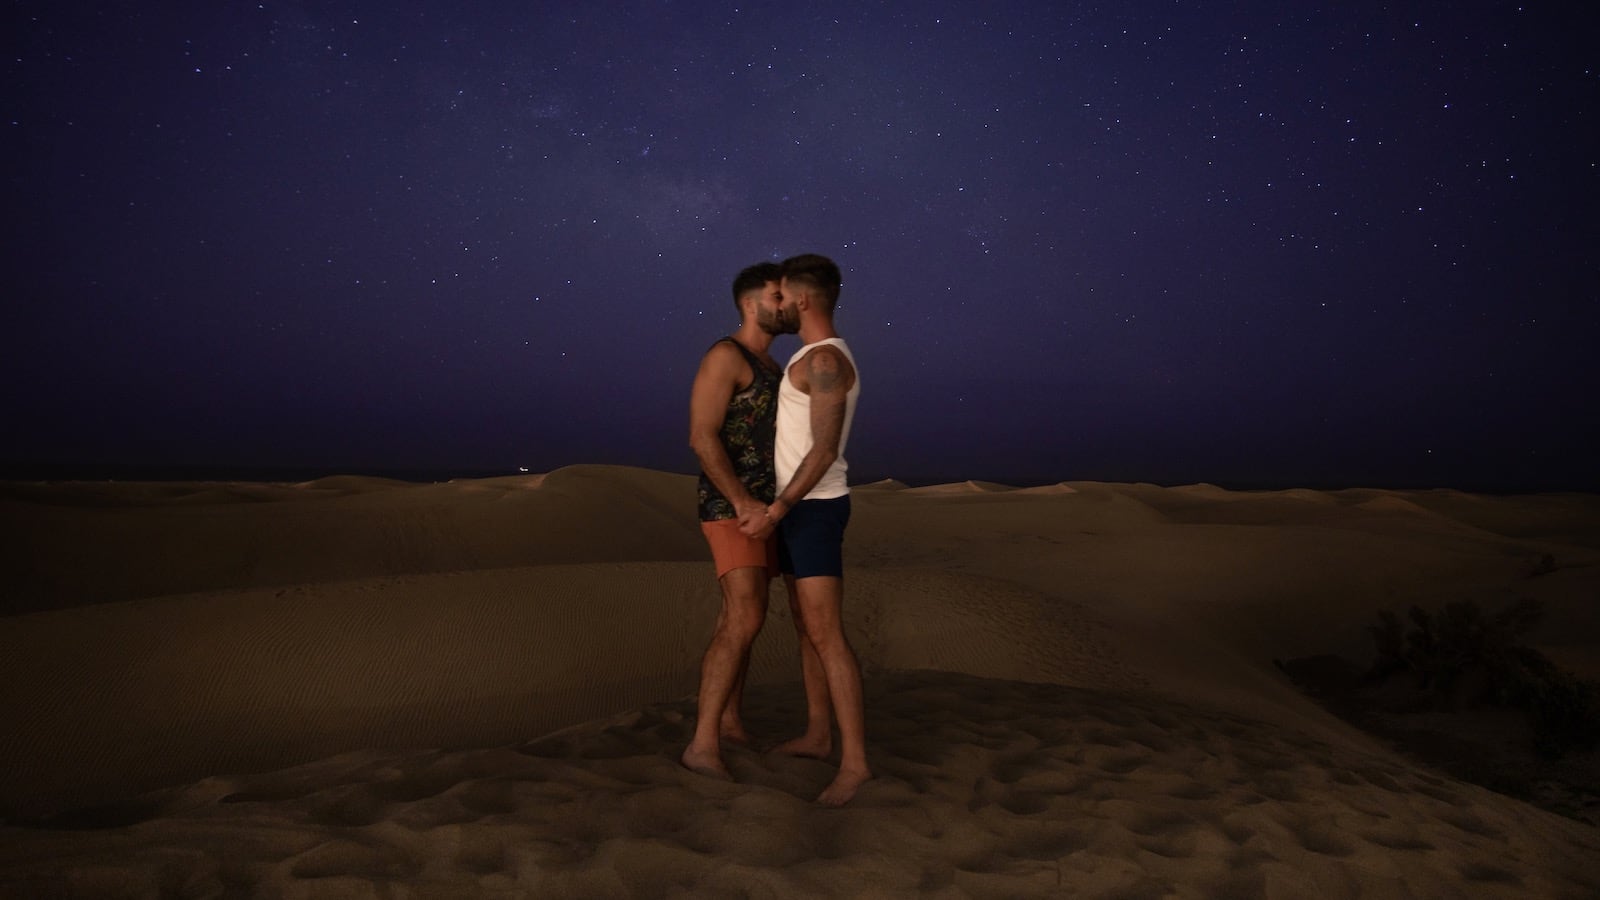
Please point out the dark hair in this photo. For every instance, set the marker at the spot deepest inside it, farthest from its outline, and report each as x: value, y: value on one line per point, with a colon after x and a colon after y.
x: 818, y: 271
x: 754, y: 278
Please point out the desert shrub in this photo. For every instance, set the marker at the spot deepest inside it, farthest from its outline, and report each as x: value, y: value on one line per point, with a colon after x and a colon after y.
x: 1565, y: 711
x: 1461, y: 657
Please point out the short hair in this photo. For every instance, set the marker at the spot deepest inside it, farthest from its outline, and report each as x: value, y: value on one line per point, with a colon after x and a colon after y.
x: 817, y: 271
x: 754, y: 278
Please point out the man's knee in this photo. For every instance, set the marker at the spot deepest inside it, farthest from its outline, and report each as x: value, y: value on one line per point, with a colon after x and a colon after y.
x: 823, y: 632
x: 743, y: 626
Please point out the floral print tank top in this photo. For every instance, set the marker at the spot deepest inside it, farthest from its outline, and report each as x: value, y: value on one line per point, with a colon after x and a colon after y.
x: 747, y: 436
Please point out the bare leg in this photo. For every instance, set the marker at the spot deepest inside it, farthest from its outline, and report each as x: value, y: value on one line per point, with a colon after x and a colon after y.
x: 732, y: 726
x: 744, y: 608
x: 817, y: 742
x: 821, y: 598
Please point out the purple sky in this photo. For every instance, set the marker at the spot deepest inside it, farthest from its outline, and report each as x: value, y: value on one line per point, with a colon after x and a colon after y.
x: 1248, y: 243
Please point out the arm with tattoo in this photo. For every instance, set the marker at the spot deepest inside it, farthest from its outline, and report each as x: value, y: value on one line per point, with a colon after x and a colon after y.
x: 826, y: 375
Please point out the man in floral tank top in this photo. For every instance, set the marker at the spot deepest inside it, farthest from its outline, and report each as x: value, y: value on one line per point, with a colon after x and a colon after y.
x: 732, y: 416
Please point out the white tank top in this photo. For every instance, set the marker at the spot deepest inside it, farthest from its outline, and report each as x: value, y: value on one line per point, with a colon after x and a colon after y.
x: 794, y: 428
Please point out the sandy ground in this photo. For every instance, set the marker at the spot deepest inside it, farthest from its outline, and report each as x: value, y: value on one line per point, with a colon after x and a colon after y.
x: 364, y: 688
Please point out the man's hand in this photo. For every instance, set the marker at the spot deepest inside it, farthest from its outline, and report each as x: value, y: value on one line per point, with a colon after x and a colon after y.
x: 746, y: 506
x: 753, y: 519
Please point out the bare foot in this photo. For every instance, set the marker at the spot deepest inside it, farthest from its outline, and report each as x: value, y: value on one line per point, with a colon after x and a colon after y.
x: 807, y: 746
x: 735, y: 734
x: 707, y: 764
x: 844, y: 787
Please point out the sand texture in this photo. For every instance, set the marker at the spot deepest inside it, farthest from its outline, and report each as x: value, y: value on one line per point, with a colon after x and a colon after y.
x: 359, y: 688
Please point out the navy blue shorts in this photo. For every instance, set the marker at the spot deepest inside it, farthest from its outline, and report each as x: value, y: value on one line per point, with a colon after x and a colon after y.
x: 811, y: 538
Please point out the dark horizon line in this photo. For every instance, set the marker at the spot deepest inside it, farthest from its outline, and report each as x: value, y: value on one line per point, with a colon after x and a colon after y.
x: 155, y: 472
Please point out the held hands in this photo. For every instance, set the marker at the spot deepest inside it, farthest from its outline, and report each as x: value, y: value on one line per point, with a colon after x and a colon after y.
x: 760, y: 521
x: 754, y: 518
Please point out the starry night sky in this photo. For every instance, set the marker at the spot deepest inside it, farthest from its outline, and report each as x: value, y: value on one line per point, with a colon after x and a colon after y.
x: 1257, y: 244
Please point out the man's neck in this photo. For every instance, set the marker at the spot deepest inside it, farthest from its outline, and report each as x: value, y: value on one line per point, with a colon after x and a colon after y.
x: 816, y: 330
x: 754, y: 337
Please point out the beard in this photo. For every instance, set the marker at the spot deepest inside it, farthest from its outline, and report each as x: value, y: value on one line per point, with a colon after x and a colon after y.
x: 778, y: 323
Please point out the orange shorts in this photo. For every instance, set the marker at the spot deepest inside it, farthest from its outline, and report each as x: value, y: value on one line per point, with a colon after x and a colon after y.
x: 733, y: 549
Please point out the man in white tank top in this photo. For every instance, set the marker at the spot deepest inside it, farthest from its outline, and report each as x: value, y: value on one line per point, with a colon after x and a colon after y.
x: 816, y: 404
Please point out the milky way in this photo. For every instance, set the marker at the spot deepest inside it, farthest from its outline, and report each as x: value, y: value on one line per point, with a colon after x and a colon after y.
x: 1251, y: 243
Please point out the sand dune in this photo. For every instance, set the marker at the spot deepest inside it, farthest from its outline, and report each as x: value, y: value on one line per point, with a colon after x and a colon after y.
x: 355, y: 687
x: 97, y: 543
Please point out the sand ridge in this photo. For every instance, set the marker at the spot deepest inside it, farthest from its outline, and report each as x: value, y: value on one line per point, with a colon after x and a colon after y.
x: 87, y: 543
